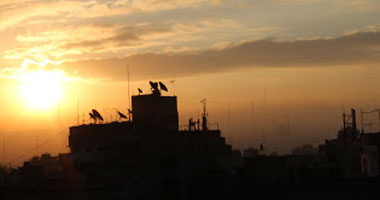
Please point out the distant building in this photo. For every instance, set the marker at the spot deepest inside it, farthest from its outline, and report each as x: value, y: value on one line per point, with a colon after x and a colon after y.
x: 307, y: 149
x: 250, y: 153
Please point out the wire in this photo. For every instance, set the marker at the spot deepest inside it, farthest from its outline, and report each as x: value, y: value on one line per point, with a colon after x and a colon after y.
x: 40, y: 145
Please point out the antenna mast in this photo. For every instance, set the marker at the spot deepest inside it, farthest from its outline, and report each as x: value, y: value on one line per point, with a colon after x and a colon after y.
x: 204, y: 116
x: 129, y: 99
x: 362, y: 119
x: 252, y: 116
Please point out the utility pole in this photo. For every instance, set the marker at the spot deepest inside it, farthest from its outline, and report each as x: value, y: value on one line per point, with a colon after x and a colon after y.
x: 204, y: 116
x: 129, y: 99
x: 362, y: 119
x: 229, y: 124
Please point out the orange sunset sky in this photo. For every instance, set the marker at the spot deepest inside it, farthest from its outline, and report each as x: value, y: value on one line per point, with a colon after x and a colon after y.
x: 262, y: 65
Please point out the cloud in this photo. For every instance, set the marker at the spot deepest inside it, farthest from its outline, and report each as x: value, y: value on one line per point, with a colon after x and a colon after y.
x: 125, y: 36
x: 14, y: 13
x: 137, y: 34
x: 104, y: 41
x: 360, y: 48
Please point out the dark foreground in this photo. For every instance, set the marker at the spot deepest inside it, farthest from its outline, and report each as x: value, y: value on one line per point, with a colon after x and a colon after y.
x: 337, y: 191
x: 340, y: 189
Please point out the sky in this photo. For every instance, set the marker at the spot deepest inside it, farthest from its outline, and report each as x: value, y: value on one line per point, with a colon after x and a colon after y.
x: 279, y: 72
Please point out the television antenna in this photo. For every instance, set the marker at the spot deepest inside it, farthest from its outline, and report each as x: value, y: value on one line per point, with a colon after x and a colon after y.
x: 204, y: 115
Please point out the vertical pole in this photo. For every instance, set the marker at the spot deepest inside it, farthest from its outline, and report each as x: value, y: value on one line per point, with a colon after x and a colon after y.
x: 204, y: 117
x: 129, y: 99
x: 362, y: 116
x: 344, y: 121
x: 264, y: 141
x: 199, y: 127
x: 274, y: 124
x: 378, y: 112
x: 4, y: 159
x: 353, y: 118
x: 252, y: 116
x: 344, y: 116
x: 229, y: 124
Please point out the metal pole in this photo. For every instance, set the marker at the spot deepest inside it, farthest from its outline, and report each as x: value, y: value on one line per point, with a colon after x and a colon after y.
x: 362, y: 116
x: 129, y: 99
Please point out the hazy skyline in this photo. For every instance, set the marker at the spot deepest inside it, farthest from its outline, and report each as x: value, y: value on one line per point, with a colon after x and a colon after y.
x: 298, y: 58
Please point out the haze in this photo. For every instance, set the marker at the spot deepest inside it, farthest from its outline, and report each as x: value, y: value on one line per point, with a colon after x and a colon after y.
x: 262, y: 65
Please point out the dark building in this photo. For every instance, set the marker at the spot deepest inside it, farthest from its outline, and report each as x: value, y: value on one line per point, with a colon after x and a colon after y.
x: 148, y: 157
x: 155, y: 111
x: 150, y: 151
x: 352, y: 154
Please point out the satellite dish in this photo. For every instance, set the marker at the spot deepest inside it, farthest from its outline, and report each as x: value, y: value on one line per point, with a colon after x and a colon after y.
x: 92, y: 116
x: 163, y: 86
x: 140, y: 91
x: 97, y: 114
x: 121, y: 115
x: 153, y: 85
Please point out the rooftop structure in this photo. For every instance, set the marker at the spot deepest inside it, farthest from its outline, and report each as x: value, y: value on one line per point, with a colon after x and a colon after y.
x: 155, y: 112
x: 151, y: 139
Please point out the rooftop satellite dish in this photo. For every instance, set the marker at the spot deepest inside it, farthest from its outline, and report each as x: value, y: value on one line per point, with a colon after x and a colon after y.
x: 121, y: 115
x: 97, y: 114
x: 140, y: 91
x: 92, y: 116
x: 153, y: 85
x: 163, y: 86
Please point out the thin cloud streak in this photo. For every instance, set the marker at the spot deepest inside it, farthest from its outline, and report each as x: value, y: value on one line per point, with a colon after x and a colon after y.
x: 360, y: 48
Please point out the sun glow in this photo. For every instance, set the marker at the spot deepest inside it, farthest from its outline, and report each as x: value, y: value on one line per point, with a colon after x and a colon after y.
x: 41, y: 89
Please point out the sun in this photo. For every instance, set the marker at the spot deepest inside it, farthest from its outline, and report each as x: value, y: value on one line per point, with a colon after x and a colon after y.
x: 40, y: 89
